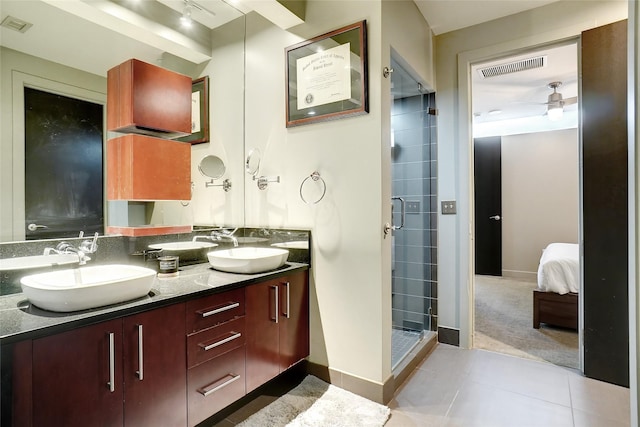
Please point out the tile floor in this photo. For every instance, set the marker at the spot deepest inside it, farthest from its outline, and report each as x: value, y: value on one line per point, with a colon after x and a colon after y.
x: 455, y: 387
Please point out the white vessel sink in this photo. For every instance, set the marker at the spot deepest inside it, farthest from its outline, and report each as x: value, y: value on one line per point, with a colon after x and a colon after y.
x: 87, y: 287
x: 183, y: 246
x: 37, y: 261
x: 248, y: 260
x: 296, y: 244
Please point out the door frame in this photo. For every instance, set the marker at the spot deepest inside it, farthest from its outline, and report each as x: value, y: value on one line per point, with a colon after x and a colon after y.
x: 466, y: 222
x: 19, y: 81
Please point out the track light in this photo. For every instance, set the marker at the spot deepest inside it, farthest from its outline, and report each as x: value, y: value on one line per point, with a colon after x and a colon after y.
x: 185, y: 19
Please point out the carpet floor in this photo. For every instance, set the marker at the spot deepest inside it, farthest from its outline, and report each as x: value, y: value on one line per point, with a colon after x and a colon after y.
x: 504, y: 324
x: 314, y: 403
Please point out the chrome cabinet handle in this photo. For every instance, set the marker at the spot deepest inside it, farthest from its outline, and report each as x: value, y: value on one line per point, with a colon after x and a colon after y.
x: 112, y: 368
x: 402, y: 213
x: 495, y: 217
x: 286, y: 285
x: 215, y: 386
x: 218, y: 310
x: 234, y: 335
x: 140, y: 372
x: 277, y: 309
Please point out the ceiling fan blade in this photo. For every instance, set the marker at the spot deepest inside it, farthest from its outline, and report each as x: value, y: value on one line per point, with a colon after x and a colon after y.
x: 571, y: 100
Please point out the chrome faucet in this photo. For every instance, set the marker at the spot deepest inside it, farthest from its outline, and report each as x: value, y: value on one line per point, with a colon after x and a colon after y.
x: 219, y: 235
x: 85, y: 247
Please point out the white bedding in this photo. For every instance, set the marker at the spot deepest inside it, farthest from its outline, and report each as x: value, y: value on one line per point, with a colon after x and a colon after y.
x: 559, y: 268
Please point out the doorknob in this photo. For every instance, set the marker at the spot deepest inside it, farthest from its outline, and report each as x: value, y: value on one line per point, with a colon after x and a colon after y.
x: 495, y: 217
x: 34, y: 227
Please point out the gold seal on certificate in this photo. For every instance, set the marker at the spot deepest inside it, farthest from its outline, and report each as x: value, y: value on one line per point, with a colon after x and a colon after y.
x: 324, y: 77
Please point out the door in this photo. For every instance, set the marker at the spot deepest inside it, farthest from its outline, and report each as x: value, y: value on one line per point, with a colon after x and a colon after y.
x: 155, y: 379
x: 77, y: 377
x: 63, y: 165
x: 294, y: 320
x: 263, y: 342
x: 488, y: 205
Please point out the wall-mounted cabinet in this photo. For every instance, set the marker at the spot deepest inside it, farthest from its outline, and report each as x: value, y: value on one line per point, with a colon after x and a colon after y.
x: 147, y: 99
x: 145, y: 168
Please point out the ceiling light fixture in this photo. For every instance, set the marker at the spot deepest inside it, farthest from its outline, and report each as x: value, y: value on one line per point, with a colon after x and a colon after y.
x: 555, y: 103
x: 186, y: 19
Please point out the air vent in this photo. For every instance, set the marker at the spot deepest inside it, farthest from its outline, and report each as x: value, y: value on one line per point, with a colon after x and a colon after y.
x: 513, y: 67
x: 15, y: 24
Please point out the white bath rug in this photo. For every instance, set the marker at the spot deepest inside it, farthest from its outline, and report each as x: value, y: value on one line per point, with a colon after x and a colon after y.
x: 315, y: 403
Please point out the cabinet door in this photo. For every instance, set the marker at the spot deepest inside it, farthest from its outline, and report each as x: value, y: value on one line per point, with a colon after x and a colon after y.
x: 262, y: 333
x: 155, y: 377
x: 294, y: 319
x: 77, y: 377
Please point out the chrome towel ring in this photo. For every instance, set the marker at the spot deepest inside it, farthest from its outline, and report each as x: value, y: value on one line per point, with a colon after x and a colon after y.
x: 315, y: 177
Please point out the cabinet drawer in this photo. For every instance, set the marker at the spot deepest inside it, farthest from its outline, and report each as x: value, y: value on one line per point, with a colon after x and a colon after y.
x: 212, y: 342
x: 215, y: 384
x: 209, y: 311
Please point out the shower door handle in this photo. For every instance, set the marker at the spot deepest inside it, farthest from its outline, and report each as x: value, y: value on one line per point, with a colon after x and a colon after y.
x: 402, y: 213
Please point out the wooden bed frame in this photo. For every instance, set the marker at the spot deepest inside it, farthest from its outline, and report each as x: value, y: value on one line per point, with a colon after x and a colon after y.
x: 555, y: 309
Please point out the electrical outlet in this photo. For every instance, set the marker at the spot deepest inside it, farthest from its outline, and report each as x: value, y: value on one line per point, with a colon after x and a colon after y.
x: 448, y: 207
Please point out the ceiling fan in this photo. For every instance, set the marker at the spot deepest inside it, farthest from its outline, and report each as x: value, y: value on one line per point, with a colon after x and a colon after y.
x: 555, y: 103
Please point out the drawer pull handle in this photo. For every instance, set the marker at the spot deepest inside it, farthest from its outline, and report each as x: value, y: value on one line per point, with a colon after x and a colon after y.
x: 222, y: 382
x: 234, y: 335
x: 218, y: 310
x: 288, y: 315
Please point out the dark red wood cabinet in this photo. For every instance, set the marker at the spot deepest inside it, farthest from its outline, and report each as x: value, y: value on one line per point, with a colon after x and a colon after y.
x: 127, y: 371
x: 147, y: 99
x: 277, y: 327
x: 171, y: 366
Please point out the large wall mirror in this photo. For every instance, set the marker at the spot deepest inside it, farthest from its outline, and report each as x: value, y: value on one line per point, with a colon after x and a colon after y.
x: 65, y: 49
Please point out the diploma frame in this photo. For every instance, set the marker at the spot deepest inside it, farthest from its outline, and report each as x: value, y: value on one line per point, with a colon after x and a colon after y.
x: 200, y: 86
x: 355, y: 36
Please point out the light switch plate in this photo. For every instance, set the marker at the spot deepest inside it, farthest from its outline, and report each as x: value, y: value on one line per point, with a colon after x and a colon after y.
x: 448, y: 207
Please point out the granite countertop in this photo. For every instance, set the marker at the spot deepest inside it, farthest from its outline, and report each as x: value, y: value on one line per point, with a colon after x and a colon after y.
x: 19, y: 320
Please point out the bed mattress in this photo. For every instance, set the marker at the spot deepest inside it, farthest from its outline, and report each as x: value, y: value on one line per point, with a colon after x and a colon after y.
x: 559, y: 269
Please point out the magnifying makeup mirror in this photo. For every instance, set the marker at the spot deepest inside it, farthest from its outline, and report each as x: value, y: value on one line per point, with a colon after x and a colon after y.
x: 252, y: 163
x: 213, y: 167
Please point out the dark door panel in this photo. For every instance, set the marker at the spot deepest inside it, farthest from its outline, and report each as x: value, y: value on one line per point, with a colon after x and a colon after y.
x: 488, y: 205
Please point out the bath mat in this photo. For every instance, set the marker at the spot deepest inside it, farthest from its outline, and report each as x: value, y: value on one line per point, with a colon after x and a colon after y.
x: 315, y: 403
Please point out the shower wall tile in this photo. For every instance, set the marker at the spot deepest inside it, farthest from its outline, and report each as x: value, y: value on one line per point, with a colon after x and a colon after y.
x: 414, y: 175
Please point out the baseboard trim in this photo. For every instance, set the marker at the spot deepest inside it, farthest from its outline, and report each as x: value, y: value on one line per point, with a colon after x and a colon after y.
x: 530, y: 276
x: 380, y: 393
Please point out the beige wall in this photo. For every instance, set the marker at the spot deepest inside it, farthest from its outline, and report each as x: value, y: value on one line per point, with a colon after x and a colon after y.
x: 350, y: 276
x: 455, y: 52
x: 540, y: 197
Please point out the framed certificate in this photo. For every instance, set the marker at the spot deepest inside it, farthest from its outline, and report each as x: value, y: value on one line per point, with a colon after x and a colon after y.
x: 326, y: 77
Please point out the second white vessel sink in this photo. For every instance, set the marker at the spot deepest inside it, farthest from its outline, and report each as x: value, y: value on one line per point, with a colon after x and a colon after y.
x: 87, y: 287
x: 38, y: 261
x: 248, y: 260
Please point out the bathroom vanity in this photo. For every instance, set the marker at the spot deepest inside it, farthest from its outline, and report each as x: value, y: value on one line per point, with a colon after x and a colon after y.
x: 197, y: 343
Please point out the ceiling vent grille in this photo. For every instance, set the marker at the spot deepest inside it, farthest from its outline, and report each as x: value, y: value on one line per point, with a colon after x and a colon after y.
x: 15, y: 24
x: 513, y: 67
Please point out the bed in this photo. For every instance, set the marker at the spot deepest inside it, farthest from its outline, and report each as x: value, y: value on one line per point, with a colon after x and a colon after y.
x: 555, y: 301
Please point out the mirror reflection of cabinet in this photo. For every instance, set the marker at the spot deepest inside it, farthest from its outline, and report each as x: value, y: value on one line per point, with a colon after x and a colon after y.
x: 147, y: 99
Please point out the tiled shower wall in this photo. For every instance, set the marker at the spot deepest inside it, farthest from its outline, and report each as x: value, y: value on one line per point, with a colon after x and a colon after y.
x: 414, y: 174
